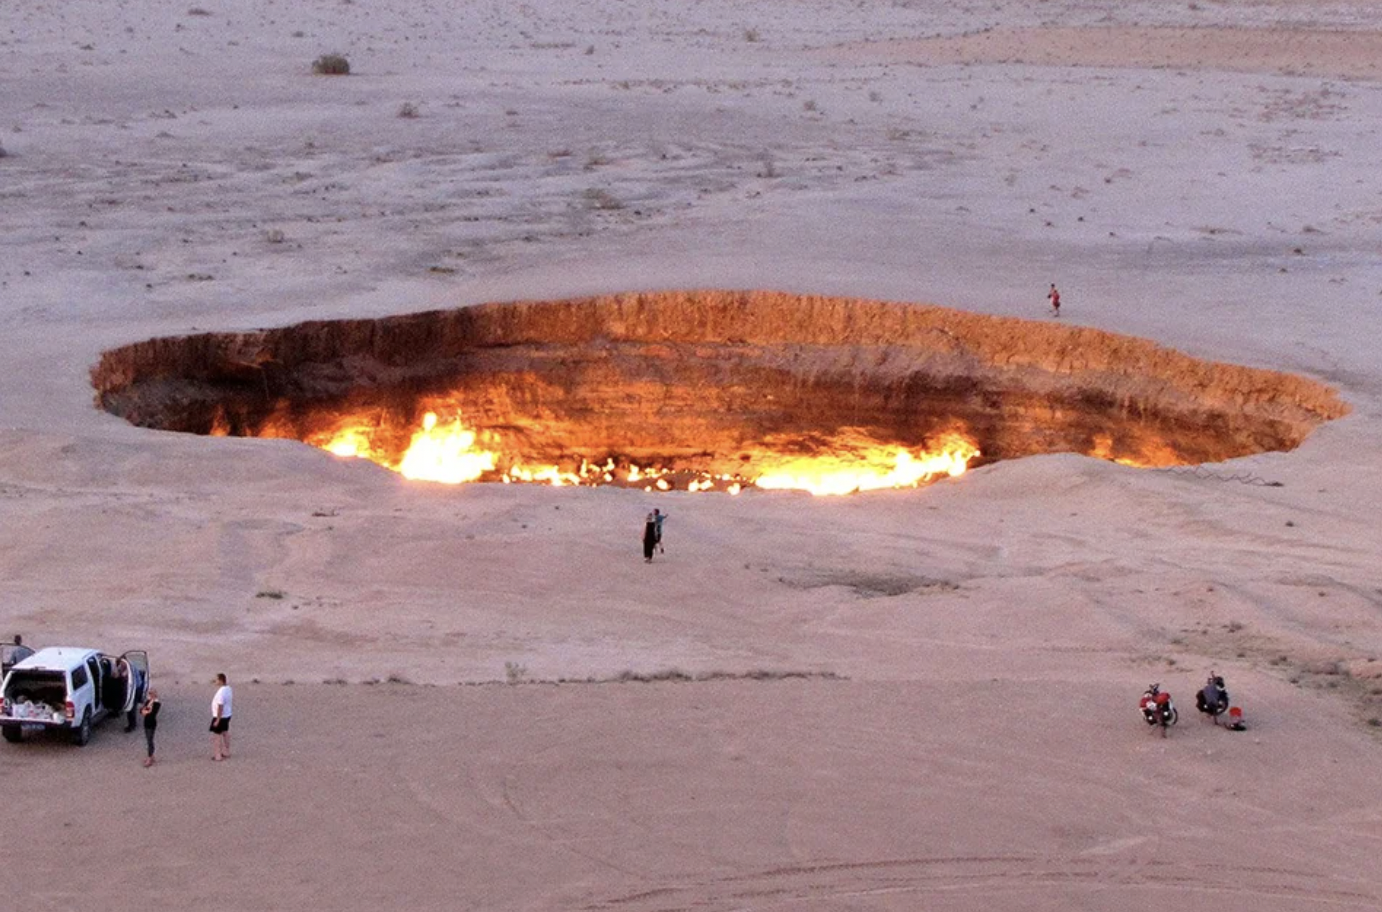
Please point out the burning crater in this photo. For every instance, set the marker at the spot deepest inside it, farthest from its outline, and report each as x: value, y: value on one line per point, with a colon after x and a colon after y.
x: 709, y: 390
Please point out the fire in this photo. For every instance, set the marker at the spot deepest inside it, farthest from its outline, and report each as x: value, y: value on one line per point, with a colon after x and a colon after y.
x: 1149, y: 453
x: 543, y: 475
x: 448, y: 452
x: 871, y: 470
x: 350, y: 442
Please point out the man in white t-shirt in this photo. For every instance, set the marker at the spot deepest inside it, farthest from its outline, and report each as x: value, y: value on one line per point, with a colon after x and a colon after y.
x: 220, y: 720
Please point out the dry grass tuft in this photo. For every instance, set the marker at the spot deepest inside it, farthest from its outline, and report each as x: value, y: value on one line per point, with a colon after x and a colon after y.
x: 331, y: 65
x: 600, y: 198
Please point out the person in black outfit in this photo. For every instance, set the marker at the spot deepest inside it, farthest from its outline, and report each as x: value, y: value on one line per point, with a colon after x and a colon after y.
x: 649, y: 538
x: 150, y: 713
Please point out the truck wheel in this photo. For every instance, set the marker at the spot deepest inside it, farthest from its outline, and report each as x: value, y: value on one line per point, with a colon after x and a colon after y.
x: 13, y: 733
x: 83, y: 733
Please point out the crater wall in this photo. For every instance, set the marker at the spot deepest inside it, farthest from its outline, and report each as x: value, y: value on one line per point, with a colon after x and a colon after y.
x: 703, y: 378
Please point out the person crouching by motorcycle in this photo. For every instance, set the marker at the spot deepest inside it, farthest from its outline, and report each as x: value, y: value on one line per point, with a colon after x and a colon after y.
x: 1157, y: 708
x: 1212, y: 700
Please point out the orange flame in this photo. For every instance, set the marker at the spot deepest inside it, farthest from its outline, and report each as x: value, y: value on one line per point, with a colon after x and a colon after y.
x: 448, y: 453
x: 543, y: 474
x: 350, y: 442
x: 871, y: 470
x: 1148, y: 453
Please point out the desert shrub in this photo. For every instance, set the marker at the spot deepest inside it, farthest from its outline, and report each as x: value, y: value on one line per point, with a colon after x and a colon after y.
x: 667, y: 674
x: 331, y: 65
x: 600, y: 198
x: 407, y: 110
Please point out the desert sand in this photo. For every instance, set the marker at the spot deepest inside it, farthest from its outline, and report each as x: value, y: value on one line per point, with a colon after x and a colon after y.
x: 916, y: 699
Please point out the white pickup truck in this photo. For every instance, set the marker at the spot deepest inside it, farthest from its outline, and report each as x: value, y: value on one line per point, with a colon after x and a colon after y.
x: 70, y: 689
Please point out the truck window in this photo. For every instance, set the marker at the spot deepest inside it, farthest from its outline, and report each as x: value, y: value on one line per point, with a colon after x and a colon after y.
x: 94, y: 672
x: 78, y: 677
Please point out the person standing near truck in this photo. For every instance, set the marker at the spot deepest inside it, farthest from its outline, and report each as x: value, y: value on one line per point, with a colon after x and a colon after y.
x: 220, y: 719
x: 136, y: 683
x: 11, y: 654
x: 118, y: 687
x: 150, y: 713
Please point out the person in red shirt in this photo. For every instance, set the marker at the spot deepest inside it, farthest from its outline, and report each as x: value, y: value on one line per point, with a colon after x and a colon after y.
x: 1054, y: 297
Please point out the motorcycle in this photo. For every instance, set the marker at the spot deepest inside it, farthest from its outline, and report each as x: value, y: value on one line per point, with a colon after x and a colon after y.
x: 1157, y: 708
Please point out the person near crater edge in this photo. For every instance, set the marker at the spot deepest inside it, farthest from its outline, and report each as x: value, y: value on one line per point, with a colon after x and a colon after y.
x: 649, y: 538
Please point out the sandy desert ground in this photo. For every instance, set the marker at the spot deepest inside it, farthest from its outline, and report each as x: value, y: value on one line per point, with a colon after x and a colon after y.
x: 902, y: 700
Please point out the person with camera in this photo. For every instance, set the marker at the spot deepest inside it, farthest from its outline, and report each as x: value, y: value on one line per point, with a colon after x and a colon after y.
x: 150, y: 713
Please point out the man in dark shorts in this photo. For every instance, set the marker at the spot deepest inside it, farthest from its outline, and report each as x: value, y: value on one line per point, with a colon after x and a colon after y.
x: 220, y: 720
x: 1054, y: 297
